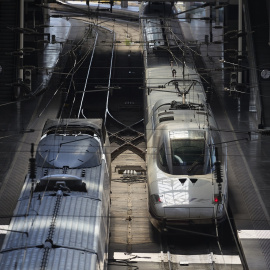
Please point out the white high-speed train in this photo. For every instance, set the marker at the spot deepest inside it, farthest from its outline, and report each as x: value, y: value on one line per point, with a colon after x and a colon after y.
x: 186, y: 159
x: 61, y: 220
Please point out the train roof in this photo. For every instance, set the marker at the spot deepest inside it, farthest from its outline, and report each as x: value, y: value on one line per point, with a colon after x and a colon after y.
x: 95, y: 123
x: 64, y: 259
x: 75, y: 231
x: 56, y: 223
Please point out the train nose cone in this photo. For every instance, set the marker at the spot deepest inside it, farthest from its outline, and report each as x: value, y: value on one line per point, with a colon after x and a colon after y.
x: 190, y: 200
x: 189, y: 213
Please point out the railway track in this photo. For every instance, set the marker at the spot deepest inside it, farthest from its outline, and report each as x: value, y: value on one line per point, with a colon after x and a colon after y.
x: 89, y: 81
x: 177, y: 250
x: 134, y: 243
x: 201, y: 249
x: 117, y: 68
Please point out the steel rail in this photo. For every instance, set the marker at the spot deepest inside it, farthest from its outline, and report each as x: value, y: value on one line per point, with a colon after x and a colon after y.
x: 164, y: 249
x: 71, y: 73
x: 235, y: 238
x: 109, y: 83
x: 88, y: 72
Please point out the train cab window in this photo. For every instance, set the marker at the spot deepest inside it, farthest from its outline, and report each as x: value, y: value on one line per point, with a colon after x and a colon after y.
x: 188, y: 152
x: 56, y: 151
x: 162, y: 156
x: 162, y: 159
x: 217, y: 150
x: 212, y: 154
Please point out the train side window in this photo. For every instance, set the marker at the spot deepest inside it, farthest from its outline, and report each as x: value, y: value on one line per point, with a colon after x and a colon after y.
x: 162, y: 156
x: 104, y: 132
x: 213, y: 155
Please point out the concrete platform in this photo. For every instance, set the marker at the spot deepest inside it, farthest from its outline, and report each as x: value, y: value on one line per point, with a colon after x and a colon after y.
x: 248, y: 155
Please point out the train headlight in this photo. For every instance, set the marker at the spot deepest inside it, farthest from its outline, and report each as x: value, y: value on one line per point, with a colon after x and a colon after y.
x: 217, y: 198
x: 156, y: 198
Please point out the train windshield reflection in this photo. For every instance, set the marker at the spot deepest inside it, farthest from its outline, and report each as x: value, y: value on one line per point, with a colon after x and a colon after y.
x: 187, y: 151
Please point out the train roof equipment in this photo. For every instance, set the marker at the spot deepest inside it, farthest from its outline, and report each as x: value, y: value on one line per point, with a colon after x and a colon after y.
x: 61, y: 220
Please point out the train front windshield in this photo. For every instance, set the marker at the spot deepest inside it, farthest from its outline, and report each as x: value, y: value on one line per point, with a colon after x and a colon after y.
x: 187, y: 153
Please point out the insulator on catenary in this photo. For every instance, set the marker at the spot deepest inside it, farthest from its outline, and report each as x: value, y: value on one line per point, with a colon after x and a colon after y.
x: 32, y: 168
x: 32, y: 164
x: 218, y: 172
x: 32, y: 150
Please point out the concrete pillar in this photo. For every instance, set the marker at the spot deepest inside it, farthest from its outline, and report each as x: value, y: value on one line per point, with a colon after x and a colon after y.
x: 20, y: 72
x: 268, y: 9
x: 240, y: 39
x: 45, y: 12
x: 240, y: 45
x: 217, y: 13
x: 207, y: 11
x: 187, y: 6
x: 124, y: 4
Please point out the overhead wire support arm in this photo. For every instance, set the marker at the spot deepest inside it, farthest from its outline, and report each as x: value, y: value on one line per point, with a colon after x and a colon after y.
x: 188, y: 10
x: 1, y: 229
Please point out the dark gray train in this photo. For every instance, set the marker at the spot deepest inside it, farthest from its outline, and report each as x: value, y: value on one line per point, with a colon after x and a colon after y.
x: 186, y: 159
x: 62, y: 216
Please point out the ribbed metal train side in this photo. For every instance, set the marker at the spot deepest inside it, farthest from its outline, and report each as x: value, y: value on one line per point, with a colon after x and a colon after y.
x: 62, y: 216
